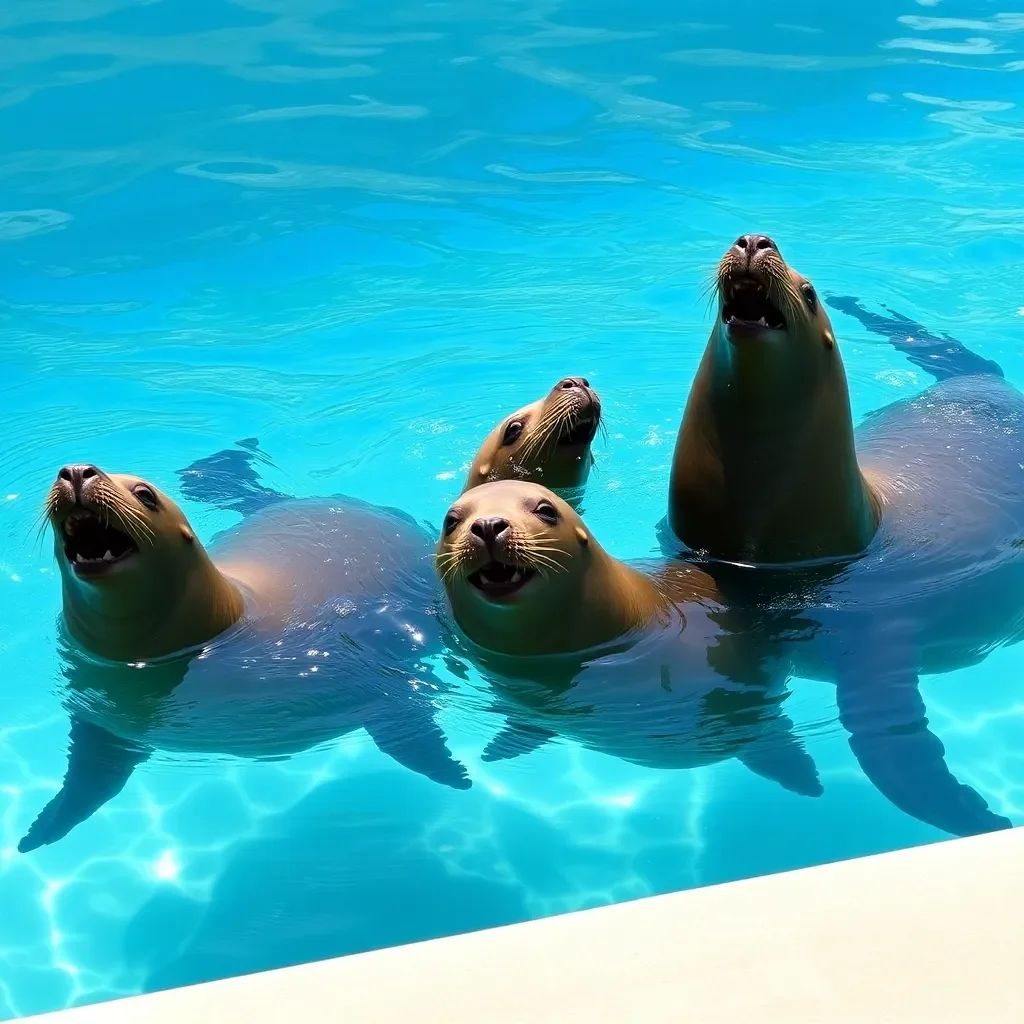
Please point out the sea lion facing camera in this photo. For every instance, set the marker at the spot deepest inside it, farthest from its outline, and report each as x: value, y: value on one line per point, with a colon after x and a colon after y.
x: 304, y: 622
x: 626, y: 660
x: 917, y: 517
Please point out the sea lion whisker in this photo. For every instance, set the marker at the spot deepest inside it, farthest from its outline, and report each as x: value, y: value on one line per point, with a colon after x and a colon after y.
x: 131, y: 519
x: 545, y: 430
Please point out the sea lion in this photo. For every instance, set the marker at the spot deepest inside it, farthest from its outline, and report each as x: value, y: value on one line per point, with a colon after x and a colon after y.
x: 547, y: 441
x: 916, y: 520
x: 304, y: 622
x: 628, y: 660
x: 765, y: 468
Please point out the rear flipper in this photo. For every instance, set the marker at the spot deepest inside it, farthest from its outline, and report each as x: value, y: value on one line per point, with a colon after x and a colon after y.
x: 516, y: 739
x: 99, y: 765
x: 228, y: 480
x: 406, y: 731
x: 942, y: 357
x: 881, y: 707
x: 778, y: 755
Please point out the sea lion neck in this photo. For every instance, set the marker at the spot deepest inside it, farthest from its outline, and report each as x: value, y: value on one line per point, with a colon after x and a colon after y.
x: 765, y: 468
x: 155, y: 618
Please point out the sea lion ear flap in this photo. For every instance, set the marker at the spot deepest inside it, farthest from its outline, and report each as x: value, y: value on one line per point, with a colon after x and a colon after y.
x: 830, y: 341
x: 582, y: 536
x: 187, y: 534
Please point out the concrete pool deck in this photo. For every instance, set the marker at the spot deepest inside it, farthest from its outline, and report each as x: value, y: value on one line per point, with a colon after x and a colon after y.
x: 931, y: 934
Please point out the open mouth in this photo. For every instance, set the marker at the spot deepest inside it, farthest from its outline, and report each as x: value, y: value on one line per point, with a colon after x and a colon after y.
x: 582, y: 429
x: 497, y: 580
x: 92, y: 546
x: 747, y: 305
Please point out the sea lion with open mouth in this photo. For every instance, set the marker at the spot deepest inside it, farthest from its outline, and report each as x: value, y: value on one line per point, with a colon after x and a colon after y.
x: 915, y: 521
x: 547, y: 441
x: 306, y: 621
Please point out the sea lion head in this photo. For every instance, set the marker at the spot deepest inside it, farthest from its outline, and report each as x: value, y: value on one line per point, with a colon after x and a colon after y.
x: 518, y: 565
x: 547, y: 441
x: 770, y: 319
x: 129, y: 561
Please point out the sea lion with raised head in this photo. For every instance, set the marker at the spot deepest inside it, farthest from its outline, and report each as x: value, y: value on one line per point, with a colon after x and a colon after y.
x: 915, y: 519
x: 628, y: 660
x: 304, y: 622
x: 547, y: 441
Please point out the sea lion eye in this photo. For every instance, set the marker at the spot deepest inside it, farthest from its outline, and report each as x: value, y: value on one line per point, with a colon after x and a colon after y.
x: 512, y: 433
x: 450, y: 522
x: 810, y: 298
x: 145, y: 496
x: 546, y: 512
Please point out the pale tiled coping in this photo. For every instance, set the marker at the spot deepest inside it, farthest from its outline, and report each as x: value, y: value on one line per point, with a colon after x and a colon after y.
x: 934, y: 934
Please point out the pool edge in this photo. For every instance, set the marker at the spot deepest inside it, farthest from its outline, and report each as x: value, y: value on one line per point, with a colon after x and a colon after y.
x: 930, y: 933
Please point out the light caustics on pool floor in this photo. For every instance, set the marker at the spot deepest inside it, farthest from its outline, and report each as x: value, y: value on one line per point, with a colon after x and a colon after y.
x: 360, y: 234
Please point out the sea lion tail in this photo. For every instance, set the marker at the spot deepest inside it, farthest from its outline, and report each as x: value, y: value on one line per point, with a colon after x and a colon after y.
x: 229, y: 480
x: 941, y: 357
x: 99, y: 765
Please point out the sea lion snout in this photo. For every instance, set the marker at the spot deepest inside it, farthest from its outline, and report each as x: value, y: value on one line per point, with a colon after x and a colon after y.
x: 74, y: 481
x: 750, y: 244
x: 750, y: 255
x: 582, y: 411
x: 489, y: 532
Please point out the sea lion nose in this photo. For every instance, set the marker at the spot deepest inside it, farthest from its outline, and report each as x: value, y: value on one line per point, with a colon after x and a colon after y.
x: 570, y: 383
x: 489, y: 530
x: 77, y: 477
x: 749, y: 244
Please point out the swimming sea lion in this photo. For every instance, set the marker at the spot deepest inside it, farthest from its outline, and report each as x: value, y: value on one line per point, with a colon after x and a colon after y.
x: 921, y: 514
x: 303, y: 623
x: 765, y: 468
x: 547, y: 441
x: 628, y: 660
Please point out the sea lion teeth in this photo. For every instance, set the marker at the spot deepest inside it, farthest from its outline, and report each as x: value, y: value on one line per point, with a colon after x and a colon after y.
x: 108, y: 556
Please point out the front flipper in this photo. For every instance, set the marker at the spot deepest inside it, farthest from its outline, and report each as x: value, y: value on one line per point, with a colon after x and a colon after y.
x: 942, y: 357
x: 99, y: 765
x: 228, y: 480
x: 516, y: 739
x: 880, y: 705
x: 406, y: 731
x: 779, y: 756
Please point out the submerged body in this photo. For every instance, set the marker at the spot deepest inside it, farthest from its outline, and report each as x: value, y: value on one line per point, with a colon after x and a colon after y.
x: 304, y: 622
x: 633, y: 661
x: 897, y: 548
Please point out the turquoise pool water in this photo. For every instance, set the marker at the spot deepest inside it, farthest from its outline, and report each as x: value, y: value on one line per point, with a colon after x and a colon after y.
x: 361, y: 233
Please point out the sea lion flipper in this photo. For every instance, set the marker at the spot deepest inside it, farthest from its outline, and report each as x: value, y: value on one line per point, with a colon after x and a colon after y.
x: 411, y: 737
x: 99, y: 765
x: 941, y: 357
x: 778, y: 755
x: 516, y: 739
x: 228, y: 479
x: 881, y: 707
